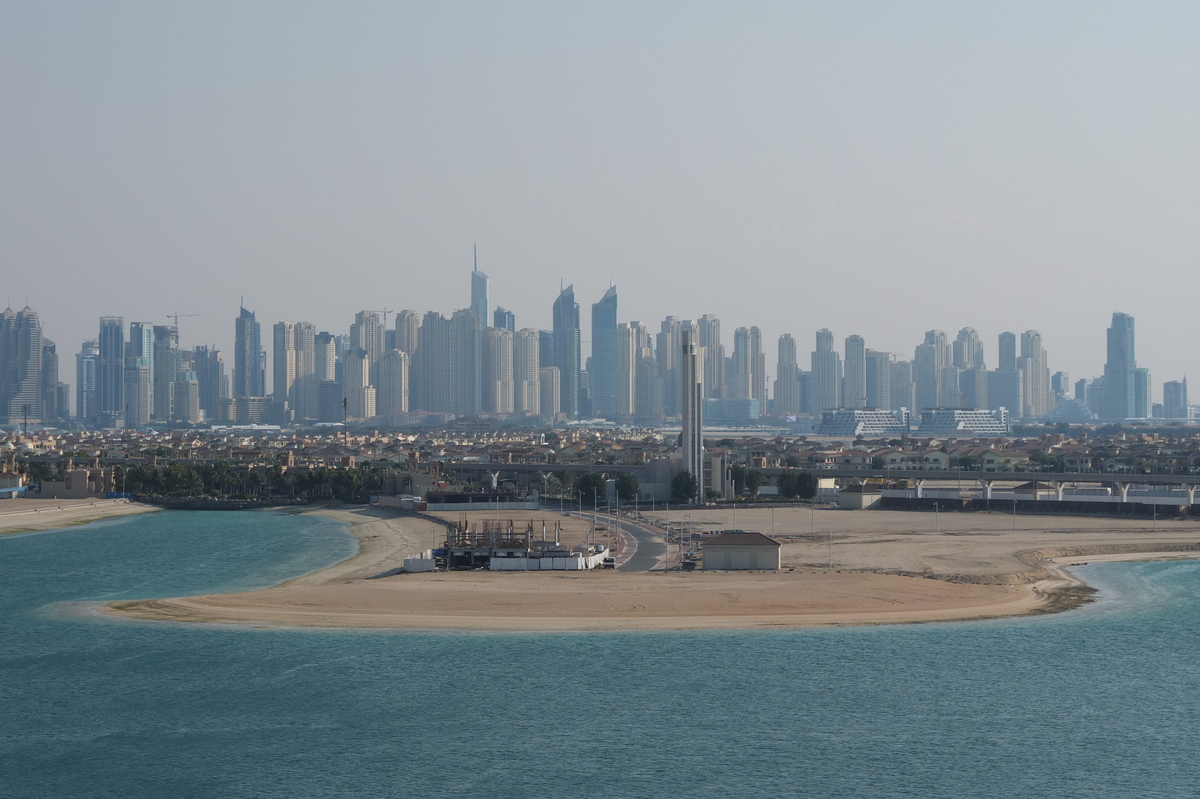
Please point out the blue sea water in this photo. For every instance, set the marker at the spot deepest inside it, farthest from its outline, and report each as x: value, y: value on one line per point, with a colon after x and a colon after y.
x: 1099, y: 702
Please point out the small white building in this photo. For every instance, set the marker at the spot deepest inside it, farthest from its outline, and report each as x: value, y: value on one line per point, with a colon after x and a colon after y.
x: 859, y: 497
x: 742, y: 551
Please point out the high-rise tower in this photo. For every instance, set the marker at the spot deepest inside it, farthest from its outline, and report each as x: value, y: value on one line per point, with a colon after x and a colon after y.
x: 86, y: 363
x: 854, y: 382
x: 21, y: 375
x: 479, y: 292
x: 249, y: 378
x: 602, y: 372
x: 692, y: 412
x: 1120, y: 391
x: 787, y: 380
x: 826, y: 374
x: 567, y: 351
x: 110, y: 372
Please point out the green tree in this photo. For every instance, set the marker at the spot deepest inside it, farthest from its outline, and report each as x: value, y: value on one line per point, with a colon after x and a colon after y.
x: 754, y: 481
x: 684, y: 487
x: 798, y: 484
x: 878, y: 463
x: 967, y: 462
x: 627, y: 486
x: 591, y: 488
x: 737, y: 473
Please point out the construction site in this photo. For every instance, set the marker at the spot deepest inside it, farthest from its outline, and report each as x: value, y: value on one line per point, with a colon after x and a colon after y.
x: 512, y: 545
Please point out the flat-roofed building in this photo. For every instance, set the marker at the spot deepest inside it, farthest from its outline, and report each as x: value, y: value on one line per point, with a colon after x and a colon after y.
x: 738, y: 551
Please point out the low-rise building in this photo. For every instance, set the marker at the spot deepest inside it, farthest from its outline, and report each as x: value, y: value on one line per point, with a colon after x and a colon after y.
x: 732, y: 551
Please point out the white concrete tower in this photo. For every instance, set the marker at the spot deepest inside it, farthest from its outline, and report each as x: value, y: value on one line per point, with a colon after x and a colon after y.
x: 692, y: 408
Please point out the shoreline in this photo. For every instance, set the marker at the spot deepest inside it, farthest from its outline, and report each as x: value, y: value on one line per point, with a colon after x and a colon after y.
x: 366, y: 590
x: 35, y: 515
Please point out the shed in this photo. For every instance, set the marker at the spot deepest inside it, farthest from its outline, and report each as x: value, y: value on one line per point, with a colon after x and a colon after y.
x: 740, y: 550
x: 859, y: 497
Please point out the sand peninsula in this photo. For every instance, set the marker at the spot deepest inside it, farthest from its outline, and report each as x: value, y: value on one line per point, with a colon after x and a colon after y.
x: 888, y: 567
x: 28, y: 515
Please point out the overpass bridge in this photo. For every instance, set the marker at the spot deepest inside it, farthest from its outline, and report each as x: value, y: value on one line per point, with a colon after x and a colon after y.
x: 1056, y: 481
x: 1121, y: 482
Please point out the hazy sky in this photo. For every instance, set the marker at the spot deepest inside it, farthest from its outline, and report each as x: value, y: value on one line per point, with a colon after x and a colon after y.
x: 879, y: 168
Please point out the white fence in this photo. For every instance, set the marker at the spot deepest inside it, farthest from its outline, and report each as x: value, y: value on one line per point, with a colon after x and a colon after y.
x: 578, y: 562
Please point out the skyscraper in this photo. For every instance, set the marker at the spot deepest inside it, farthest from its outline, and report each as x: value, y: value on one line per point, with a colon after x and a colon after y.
x: 1007, y: 358
x: 854, y: 382
x: 360, y: 394
x: 879, y: 379
x: 787, y: 380
x: 479, y: 292
x: 826, y: 374
x: 110, y: 372
x: 367, y: 334
x: 1035, y: 381
x: 627, y: 365
x: 692, y: 412
x: 567, y: 351
x: 1120, y: 391
x: 602, y: 371
x: 968, y: 349
x: 708, y: 330
x: 22, y: 394
x: 391, y: 396
x: 667, y: 345
x: 904, y: 390
x: 1175, y: 399
x: 213, y: 384
x: 283, y: 355
x: 249, y: 378
x: 527, y: 387
x: 139, y: 375
x: 303, y: 397
x: 499, y: 386
x: 758, y: 370
x: 931, y: 357
x: 86, y: 365
x: 739, y: 377
x: 504, y: 318
x: 449, y: 363
x: 408, y: 326
x: 165, y: 369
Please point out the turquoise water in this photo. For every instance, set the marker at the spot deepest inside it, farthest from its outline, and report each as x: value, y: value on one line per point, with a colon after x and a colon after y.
x: 1101, y: 702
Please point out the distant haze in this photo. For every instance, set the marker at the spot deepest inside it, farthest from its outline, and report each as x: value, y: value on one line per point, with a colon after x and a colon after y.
x: 877, y: 168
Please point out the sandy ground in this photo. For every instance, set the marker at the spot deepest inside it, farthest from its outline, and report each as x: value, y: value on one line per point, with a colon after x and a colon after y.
x: 24, y: 515
x: 888, y: 567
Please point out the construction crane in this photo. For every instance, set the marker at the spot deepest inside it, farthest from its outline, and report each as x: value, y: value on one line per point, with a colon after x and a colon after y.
x: 385, y: 313
x: 176, y: 316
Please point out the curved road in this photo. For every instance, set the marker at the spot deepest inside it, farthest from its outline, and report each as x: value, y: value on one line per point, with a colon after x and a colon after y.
x: 651, y: 548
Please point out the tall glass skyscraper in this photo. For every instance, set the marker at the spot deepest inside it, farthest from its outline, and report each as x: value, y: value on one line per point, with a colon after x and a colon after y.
x: 110, y: 371
x: 249, y: 376
x: 1120, y: 389
x: 479, y: 293
x: 602, y: 373
x: 566, y: 350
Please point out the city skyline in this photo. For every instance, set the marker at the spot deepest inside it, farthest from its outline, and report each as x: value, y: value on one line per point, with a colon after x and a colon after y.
x: 875, y: 171
x: 464, y: 368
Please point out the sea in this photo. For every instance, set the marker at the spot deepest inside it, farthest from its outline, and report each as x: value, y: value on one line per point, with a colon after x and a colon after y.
x: 1103, y: 701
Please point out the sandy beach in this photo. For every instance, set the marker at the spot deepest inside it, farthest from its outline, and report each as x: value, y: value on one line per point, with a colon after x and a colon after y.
x: 26, y: 515
x: 887, y: 568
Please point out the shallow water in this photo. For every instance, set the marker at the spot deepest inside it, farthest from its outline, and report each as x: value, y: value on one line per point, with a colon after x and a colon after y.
x: 1101, y: 701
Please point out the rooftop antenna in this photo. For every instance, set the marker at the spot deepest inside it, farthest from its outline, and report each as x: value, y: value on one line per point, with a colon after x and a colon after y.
x: 475, y: 250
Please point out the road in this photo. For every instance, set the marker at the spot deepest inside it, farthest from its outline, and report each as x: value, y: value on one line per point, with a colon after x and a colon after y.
x: 651, y: 548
